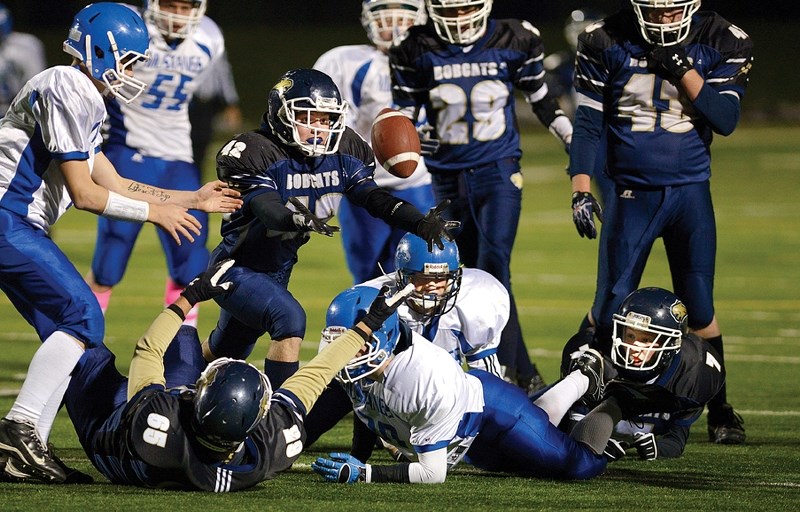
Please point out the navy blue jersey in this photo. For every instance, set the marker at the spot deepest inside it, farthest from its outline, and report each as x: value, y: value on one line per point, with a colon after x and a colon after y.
x: 257, y: 162
x: 655, y: 135
x: 146, y: 443
x: 468, y: 91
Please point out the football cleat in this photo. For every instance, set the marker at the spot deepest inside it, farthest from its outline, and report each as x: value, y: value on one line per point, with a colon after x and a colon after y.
x: 725, y: 426
x: 74, y: 476
x: 590, y: 363
x: 26, y: 452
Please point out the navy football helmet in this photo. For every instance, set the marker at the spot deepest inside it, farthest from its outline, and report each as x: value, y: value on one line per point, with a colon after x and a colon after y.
x: 346, y: 310
x: 648, y: 331
x: 386, y: 20
x: 173, y: 25
x: 293, y: 101
x: 232, y: 397
x: 413, y: 260
x: 664, y: 34
x: 109, y: 39
x: 460, y: 21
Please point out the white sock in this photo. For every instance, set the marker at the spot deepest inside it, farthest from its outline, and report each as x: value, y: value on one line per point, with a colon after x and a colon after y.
x: 50, y: 411
x: 557, y: 400
x: 49, y: 368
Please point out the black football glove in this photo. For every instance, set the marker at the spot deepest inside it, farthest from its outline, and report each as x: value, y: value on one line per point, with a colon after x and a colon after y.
x: 206, y: 285
x: 584, y: 208
x: 428, y: 143
x: 615, y: 450
x: 383, y: 306
x: 669, y: 60
x: 432, y: 228
x: 645, y: 445
x: 307, y: 221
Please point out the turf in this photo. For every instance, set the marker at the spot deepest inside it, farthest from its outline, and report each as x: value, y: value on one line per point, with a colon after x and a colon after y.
x: 755, y: 183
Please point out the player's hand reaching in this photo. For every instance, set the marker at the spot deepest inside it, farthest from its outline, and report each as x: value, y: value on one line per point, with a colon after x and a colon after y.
x: 307, y: 221
x: 428, y: 142
x: 669, y: 60
x: 175, y: 220
x: 206, y: 285
x: 433, y: 228
x: 217, y: 197
x: 342, y: 468
x: 615, y: 450
x: 584, y: 209
x: 383, y: 306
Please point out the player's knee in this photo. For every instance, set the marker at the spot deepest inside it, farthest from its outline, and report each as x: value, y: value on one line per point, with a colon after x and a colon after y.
x: 85, y: 322
x: 291, y: 323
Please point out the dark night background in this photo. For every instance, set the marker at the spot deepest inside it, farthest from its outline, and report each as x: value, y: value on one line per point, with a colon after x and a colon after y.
x: 267, y: 37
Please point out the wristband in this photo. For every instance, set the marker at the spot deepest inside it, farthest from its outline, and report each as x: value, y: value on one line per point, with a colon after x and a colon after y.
x: 119, y: 207
x: 177, y: 310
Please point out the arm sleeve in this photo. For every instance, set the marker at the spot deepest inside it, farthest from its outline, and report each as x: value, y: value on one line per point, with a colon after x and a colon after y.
x: 588, y: 128
x: 383, y: 205
x: 310, y: 380
x: 147, y: 365
x: 269, y: 209
x: 672, y: 443
x: 720, y: 110
x: 431, y: 469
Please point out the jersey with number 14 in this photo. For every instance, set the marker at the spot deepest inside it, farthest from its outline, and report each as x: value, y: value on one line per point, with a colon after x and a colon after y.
x: 655, y: 136
x: 157, y: 122
x: 468, y: 91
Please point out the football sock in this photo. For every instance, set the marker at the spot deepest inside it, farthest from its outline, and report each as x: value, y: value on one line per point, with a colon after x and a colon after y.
x: 557, y: 400
x: 278, y: 371
x: 50, y: 367
x: 721, y: 397
x: 172, y: 291
x: 103, y: 298
x: 595, y: 429
x: 45, y: 423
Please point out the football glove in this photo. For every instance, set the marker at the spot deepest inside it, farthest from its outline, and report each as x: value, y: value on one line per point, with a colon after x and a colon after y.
x: 645, y: 445
x: 584, y: 209
x: 383, y: 306
x: 669, y: 60
x: 206, y: 285
x: 307, y: 221
x: 427, y: 142
x: 615, y: 450
x: 432, y: 228
x: 341, y: 468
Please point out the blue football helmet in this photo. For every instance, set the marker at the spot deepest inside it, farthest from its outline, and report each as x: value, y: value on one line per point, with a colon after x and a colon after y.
x: 345, y: 311
x: 6, y: 22
x: 461, y: 28
x: 664, y: 34
x: 295, y: 99
x: 648, y: 331
x: 416, y: 265
x: 109, y: 39
x: 172, y: 25
x: 386, y: 20
x: 231, y: 398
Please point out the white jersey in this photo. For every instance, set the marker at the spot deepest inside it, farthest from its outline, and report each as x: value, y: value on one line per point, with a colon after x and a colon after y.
x: 470, y: 331
x: 424, y: 403
x: 21, y: 57
x: 156, y: 123
x: 56, y: 116
x: 362, y: 74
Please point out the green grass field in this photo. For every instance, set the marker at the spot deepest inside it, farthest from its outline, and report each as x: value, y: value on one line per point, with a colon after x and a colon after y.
x: 755, y: 184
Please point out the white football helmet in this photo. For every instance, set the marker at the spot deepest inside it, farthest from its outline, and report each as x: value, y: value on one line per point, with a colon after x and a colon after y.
x: 385, y: 20
x: 460, y: 21
x: 664, y: 34
x: 173, y: 25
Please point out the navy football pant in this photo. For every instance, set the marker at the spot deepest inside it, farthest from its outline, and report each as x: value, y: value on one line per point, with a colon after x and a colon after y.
x: 116, y: 238
x: 516, y: 436
x: 683, y: 217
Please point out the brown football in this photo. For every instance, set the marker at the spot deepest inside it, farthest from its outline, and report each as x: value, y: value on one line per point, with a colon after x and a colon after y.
x: 395, y: 143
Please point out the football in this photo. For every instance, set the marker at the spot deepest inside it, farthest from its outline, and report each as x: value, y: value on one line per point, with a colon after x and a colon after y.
x: 395, y: 143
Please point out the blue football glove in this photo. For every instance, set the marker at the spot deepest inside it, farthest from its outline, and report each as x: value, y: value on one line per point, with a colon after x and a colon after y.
x: 341, y: 468
x: 584, y: 208
x: 427, y: 142
x: 645, y: 445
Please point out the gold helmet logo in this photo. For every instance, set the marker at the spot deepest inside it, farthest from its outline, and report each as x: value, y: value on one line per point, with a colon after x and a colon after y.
x: 284, y: 85
x: 678, y: 311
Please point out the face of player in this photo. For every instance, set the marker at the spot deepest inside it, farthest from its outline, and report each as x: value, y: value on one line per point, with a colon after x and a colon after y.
x: 663, y: 16
x: 644, y: 342
x: 426, y: 285
x: 313, y: 127
x: 181, y: 8
x: 391, y: 26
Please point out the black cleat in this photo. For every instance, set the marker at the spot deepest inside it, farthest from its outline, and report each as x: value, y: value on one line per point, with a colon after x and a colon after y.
x: 590, y: 363
x: 725, y: 426
x: 74, y: 476
x: 26, y: 453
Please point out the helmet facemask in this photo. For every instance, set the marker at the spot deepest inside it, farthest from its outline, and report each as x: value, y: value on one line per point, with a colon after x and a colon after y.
x: 173, y: 25
x: 377, y: 351
x: 664, y: 34
x: 429, y: 304
x: 392, y: 18
x: 639, y: 358
x: 461, y: 29
x: 299, y: 113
